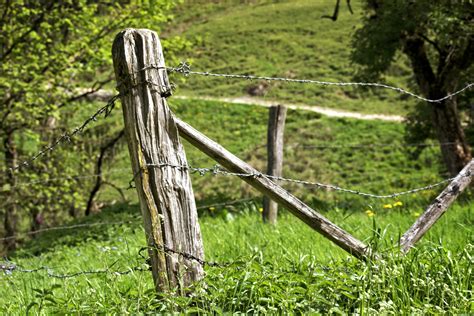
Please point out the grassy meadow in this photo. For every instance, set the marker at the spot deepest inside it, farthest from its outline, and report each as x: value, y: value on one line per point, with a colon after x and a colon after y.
x: 266, y: 269
x: 288, y: 268
x: 97, y: 266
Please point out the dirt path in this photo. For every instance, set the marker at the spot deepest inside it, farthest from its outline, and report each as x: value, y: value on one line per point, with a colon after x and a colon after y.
x: 325, y: 111
x: 105, y: 94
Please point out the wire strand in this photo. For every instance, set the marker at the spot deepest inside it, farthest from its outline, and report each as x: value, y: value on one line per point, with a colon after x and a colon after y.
x: 369, y: 146
x: 185, y: 69
x: 9, y: 268
x: 217, y: 170
x: 67, y: 227
x: 66, y: 177
x: 66, y: 137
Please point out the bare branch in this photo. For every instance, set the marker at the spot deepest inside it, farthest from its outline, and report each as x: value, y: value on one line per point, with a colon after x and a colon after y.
x: 335, y: 14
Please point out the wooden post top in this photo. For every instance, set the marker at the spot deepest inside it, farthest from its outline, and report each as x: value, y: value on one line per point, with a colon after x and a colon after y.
x: 138, y: 59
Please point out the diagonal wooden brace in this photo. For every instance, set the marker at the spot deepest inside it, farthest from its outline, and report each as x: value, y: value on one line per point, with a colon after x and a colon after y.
x: 437, y: 208
x: 285, y: 199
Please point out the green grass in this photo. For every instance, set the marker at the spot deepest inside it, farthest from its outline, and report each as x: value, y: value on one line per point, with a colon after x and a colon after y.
x: 287, y: 268
x: 281, y: 39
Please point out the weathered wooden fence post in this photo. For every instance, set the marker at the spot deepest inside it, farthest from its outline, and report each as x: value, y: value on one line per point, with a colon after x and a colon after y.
x: 437, y: 208
x: 276, y: 127
x: 166, y: 197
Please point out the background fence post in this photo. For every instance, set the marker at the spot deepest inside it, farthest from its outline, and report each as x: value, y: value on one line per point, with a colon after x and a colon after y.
x: 437, y: 208
x: 276, y: 127
x: 165, y: 193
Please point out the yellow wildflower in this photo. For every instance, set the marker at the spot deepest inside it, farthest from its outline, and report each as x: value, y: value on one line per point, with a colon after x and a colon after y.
x: 398, y: 203
x: 369, y: 213
x: 260, y: 210
x: 387, y: 206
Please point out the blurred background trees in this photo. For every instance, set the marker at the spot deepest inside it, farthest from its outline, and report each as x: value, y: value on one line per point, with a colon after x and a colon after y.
x: 53, y: 55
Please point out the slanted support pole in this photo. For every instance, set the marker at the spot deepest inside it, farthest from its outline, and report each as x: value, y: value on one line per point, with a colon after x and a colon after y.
x: 266, y: 186
x: 276, y: 127
x: 437, y: 208
x: 166, y: 196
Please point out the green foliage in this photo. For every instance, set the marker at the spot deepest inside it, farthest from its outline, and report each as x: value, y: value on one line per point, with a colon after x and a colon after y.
x: 51, y: 52
x: 445, y: 29
x: 387, y: 23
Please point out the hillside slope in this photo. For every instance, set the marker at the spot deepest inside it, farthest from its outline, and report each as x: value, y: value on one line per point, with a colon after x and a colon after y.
x: 282, y: 39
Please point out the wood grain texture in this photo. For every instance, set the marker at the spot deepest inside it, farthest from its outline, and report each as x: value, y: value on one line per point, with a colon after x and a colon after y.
x: 276, y: 128
x: 166, y: 196
x: 437, y: 208
x: 274, y: 191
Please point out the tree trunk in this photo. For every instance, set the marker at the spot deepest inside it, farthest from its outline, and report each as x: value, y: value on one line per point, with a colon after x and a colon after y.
x: 99, y: 181
x: 444, y: 115
x: 10, y: 220
x: 454, y: 148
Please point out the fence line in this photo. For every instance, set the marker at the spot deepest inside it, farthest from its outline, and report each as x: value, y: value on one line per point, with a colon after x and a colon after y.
x: 392, y: 180
x: 68, y: 227
x: 185, y: 69
x: 167, y: 251
x: 217, y: 170
x: 369, y: 146
x: 66, y: 177
x: 66, y: 137
x: 9, y: 268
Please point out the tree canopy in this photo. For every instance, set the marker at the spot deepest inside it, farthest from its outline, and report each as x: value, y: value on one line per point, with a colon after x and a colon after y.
x: 438, y: 39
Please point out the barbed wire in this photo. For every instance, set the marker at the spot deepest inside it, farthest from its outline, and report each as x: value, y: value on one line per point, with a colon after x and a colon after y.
x: 217, y: 170
x: 66, y: 227
x: 9, y: 268
x: 66, y: 137
x: 240, y: 201
x: 185, y: 69
x: 167, y: 251
x: 65, y: 177
x: 84, y: 225
x: 369, y: 146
